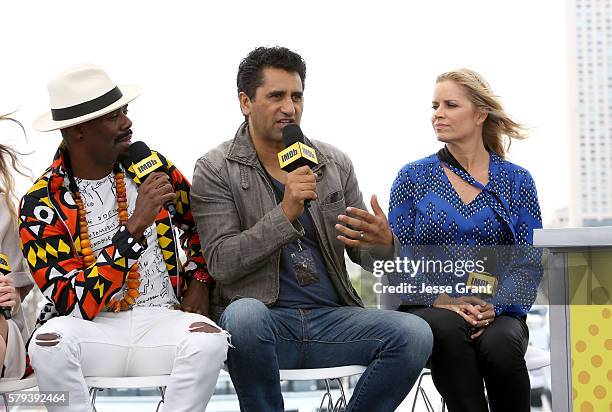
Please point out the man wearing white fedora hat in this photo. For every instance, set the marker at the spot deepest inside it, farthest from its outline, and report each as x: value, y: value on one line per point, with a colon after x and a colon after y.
x: 103, y: 251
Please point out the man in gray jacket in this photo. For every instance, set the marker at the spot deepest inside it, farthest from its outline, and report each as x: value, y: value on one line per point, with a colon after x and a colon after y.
x: 281, y: 285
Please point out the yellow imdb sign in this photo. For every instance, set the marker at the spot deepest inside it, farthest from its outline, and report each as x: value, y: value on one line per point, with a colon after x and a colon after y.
x: 483, y: 282
x: 296, y: 151
x: 147, y: 165
x: 4, y: 264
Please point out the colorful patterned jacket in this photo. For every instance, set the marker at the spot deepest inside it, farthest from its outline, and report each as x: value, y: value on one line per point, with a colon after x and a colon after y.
x: 50, y: 240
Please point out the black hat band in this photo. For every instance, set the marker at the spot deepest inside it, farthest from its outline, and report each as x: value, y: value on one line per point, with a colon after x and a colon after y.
x: 91, y: 106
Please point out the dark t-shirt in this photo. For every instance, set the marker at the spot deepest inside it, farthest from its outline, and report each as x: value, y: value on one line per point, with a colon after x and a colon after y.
x: 292, y: 294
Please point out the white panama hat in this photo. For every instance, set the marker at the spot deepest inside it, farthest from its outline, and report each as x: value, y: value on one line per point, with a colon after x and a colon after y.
x: 81, y: 93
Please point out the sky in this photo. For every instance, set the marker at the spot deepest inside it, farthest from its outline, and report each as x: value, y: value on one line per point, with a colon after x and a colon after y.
x: 371, y: 68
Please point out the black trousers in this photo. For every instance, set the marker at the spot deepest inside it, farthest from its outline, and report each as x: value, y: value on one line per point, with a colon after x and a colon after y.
x: 459, y: 365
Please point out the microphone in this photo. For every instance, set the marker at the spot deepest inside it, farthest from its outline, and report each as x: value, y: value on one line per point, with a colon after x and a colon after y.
x: 144, y: 163
x: 485, y: 282
x: 296, y: 153
x: 5, y: 269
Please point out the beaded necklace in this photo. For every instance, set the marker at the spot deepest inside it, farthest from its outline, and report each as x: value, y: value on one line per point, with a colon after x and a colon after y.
x: 133, y: 277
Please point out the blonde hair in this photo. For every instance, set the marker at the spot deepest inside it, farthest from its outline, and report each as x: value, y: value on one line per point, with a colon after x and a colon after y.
x: 9, y: 160
x: 497, y: 124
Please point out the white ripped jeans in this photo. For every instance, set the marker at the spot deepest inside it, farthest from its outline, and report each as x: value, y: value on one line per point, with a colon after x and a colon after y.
x: 140, y: 342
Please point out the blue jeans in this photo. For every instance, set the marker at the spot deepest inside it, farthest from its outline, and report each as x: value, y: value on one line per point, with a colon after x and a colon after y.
x: 394, y: 346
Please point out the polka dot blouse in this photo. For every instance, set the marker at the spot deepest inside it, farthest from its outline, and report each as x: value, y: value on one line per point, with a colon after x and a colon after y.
x: 425, y: 209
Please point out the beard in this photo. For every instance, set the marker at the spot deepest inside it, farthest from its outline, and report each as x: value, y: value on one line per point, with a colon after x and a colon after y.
x: 123, y: 155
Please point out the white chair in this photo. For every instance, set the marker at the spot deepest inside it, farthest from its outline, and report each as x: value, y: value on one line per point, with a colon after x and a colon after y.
x: 97, y: 383
x: 14, y: 386
x: 536, y: 358
x: 325, y: 374
x: 328, y: 375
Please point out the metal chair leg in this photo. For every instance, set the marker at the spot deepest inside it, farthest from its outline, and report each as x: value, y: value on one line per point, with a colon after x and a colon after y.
x: 327, y: 395
x: 341, y: 402
x: 93, y: 392
x: 418, y: 389
x: 6, y: 402
x: 162, y: 392
x: 428, y: 404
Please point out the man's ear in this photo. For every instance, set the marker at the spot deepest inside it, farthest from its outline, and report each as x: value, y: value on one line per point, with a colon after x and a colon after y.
x: 78, y: 131
x: 245, y: 103
x: 73, y: 133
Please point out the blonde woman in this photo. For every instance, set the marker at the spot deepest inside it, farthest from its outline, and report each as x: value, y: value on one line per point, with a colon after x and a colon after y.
x: 15, y: 285
x: 469, y: 201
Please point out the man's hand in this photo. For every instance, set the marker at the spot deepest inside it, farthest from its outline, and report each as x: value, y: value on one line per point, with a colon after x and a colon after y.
x: 366, y: 229
x: 152, y: 195
x: 196, y: 299
x: 301, y: 185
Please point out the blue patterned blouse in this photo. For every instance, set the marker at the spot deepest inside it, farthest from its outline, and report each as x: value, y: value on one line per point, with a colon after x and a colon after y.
x: 425, y: 209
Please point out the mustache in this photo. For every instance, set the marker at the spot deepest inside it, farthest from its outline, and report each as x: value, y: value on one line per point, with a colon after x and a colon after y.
x: 124, y: 134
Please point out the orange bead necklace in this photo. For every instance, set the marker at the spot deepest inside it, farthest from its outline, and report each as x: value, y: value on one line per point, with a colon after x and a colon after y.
x: 133, y: 277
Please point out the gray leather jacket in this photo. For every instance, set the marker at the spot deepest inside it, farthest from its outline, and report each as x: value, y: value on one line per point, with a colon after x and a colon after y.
x: 243, y: 229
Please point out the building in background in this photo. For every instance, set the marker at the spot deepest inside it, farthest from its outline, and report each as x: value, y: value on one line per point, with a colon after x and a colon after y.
x: 590, y: 102
x: 560, y: 219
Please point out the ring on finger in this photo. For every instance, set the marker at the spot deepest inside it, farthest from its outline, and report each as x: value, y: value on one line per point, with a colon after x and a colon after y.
x: 361, y: 235
x: 486, y: 322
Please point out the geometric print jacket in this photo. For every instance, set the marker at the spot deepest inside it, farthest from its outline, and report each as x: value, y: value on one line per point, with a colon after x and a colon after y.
x: 49, y: 231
